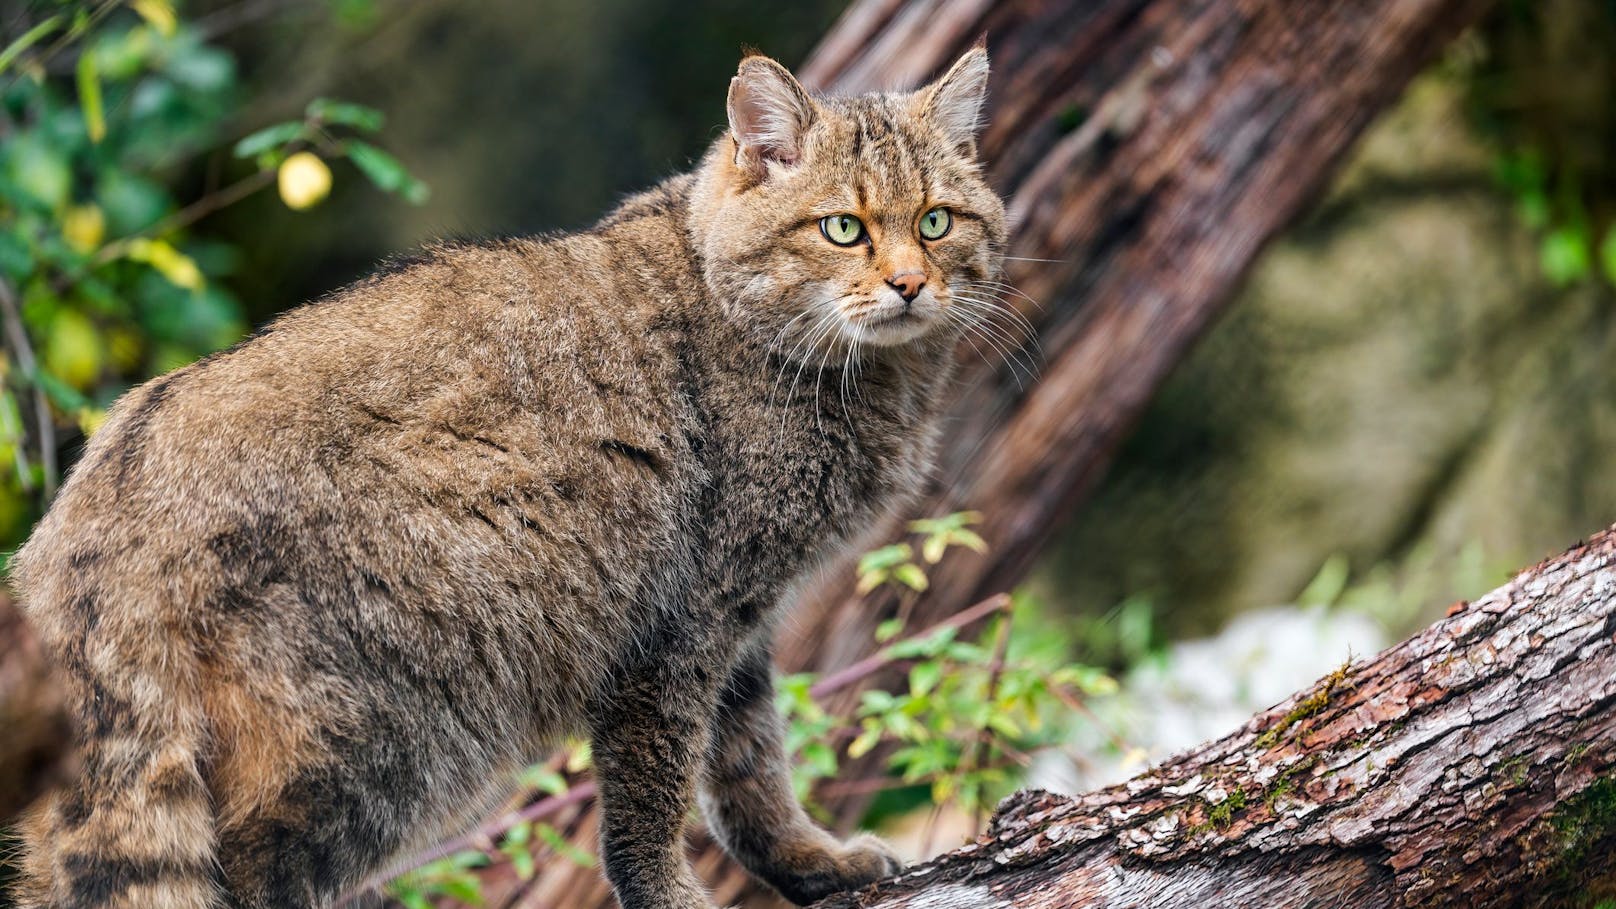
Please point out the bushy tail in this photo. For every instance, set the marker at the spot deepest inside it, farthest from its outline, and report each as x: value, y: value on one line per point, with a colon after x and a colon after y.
x: 134, y: 829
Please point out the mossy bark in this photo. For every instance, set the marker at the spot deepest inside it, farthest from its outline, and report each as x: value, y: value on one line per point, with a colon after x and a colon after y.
x: 1472, y: 765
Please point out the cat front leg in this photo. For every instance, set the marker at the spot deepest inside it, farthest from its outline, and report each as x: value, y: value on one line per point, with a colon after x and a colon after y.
x: 648, y: 740
x: 748, y: 801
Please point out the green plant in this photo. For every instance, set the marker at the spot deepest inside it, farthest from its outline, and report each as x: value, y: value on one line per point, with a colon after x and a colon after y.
x: 963, y: 724
x: 109, y: 113
x: 971, y: 711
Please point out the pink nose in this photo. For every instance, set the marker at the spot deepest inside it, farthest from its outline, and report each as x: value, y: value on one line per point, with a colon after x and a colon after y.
x: 907, y: 284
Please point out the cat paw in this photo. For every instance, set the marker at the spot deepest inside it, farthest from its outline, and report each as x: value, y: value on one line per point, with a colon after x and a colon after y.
x: 867, y: 858
x: 859, y: 862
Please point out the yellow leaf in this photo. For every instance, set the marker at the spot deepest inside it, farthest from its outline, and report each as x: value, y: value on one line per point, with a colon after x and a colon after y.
x: 172, y: 264
x: 95, y: 118
x: 160, y: 13
x: 84, y: 227
x: 90, y: 419
x: 303, y: 180
x: 73, y: 349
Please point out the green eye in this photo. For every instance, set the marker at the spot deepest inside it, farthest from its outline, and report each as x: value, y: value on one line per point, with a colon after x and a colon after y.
x: 935, y: 223
x: 843, y: 230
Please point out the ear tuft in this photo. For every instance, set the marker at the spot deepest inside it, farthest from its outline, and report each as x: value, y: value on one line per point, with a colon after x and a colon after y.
x: 954, y: 103
x: 768, y: 114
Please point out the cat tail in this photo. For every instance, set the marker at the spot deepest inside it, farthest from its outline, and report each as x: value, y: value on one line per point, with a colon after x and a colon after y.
x: 135, y: 826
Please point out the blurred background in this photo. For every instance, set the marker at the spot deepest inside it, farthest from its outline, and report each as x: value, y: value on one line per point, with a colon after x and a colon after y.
x: 1411, y: 397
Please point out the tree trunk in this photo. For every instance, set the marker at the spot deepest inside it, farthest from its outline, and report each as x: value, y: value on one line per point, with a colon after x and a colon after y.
x: 1473, y: 765
x: 1148, y: 149
x: 33, y: 714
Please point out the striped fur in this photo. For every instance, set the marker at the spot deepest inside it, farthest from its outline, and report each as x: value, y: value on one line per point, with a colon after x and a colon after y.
x: 322, y: 595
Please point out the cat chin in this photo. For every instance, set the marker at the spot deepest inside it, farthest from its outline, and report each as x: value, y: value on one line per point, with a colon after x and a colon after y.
x: 890, y: 331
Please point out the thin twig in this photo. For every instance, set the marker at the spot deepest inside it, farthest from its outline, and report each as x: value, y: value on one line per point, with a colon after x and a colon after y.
x: 984, y: 735
x: 17, y: 340
x: 190, y: 214
x: 876, y: 662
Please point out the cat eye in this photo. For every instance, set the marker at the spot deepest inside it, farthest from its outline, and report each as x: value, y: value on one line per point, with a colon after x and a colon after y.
x: 935, y: 223
x: 843, y: 230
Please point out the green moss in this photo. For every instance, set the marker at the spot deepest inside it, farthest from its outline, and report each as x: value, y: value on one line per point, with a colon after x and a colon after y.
x: 1516, y: 769
x: 1310, y: 706
x: 1220, y: 814
x: 1585, y: 821
x: 1578, y: 868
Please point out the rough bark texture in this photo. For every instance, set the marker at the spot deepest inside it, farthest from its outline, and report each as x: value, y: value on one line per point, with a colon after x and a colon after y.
x: 33, y: 716
x: 1149, y: 150
x: 1473, y: 765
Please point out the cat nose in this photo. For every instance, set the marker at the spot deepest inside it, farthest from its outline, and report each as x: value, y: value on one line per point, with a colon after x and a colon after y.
x: 907, y: 284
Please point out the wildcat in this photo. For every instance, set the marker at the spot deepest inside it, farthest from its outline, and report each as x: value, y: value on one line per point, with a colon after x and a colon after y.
x: 319, y: 597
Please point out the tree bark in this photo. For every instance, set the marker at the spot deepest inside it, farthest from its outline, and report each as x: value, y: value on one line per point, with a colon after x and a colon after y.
x: 1473, y: 765
x: 1149, y: 149
x: 33, y: 715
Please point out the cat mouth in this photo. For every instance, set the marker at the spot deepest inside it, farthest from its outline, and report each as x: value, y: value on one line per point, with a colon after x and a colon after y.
x: 886, y: 324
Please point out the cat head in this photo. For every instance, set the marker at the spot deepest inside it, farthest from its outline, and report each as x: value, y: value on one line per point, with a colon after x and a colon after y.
x: 863, y: 221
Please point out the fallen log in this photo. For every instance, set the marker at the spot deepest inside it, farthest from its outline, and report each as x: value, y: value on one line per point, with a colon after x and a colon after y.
x: 1472, y: 765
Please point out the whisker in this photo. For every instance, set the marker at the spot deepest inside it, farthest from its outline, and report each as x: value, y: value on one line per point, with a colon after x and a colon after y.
x: 1016, y: 367
x: 1019, y: 332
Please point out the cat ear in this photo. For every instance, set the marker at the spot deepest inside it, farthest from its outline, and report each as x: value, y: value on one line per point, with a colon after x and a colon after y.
x: 954, y: 102
x: 768, y: 114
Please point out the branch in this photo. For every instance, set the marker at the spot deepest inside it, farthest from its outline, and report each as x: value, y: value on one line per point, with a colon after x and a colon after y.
x: 1474, y: 764
x: 23, y: 350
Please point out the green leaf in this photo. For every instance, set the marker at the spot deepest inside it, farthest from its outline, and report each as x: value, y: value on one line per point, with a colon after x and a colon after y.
x: 932, y: 550
x: 885, y: 557
x: 910, y: 575
x: 544, y: 779
x: 1607, y: 254
x: 519, y: 834
x: 39, y: 169
x: 1565, y: 255
x: 385, y: 171
x: 876, y: 701
x: 464, y: 889
x: 865, y: 742
x: 160, y: 13
x: 16, y: 259
x: 819, y: 758
x: 522, y: 863
x: 89, y: 81
x: 26, y: 40
x: 1004, y: 725
x: 923, y: 677
x: 869, y: 581
x: 268, y: 138
x: 970, y: 539
x: 344, y: 113
x: 888, y: 630
x: 567, y: 850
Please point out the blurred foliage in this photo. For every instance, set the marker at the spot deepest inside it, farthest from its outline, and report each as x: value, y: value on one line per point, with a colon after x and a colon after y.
x: 966, y: 720
x: 1542, y: 82
x: 108, y: 111
x: 971, y: 711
